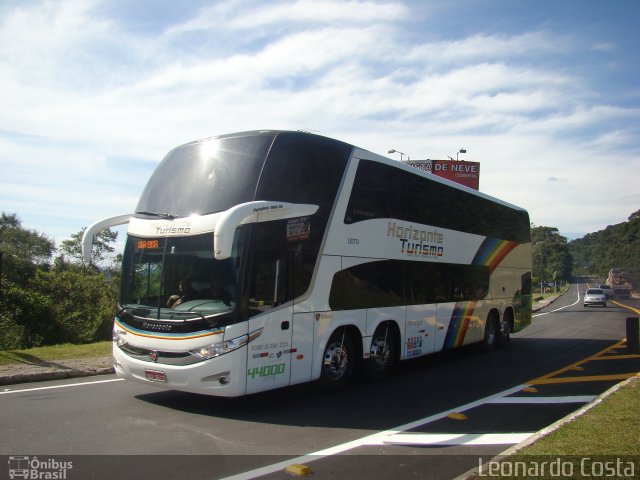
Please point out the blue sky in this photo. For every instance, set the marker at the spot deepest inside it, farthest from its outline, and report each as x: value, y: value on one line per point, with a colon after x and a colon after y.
x: 544, y: 94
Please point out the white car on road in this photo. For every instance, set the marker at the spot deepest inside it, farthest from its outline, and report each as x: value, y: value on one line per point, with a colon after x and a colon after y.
x: 595, y: 296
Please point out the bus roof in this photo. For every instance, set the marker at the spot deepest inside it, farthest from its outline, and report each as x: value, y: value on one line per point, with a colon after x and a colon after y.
x: 362, y: 153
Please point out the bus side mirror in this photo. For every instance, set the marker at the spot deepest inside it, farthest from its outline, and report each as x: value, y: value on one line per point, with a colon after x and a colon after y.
x: 97, y: 227
x: 253, y: 212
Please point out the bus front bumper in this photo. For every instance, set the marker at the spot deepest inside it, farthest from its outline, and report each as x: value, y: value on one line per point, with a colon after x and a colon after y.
x: 222, y: 376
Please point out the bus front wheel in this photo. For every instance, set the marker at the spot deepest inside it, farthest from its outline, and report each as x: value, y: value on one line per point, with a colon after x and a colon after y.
x: 338, y: 361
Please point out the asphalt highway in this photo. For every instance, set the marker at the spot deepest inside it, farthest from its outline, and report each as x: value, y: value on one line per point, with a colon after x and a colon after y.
x: 437, y: 417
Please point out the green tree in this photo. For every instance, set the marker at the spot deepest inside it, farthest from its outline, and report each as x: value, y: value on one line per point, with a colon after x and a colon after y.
x: 24, y: 250
x: 41, y: 305
x: 72, y: 247
x: 82, y: 304
x: 25, y: 317
x: 551, y: 258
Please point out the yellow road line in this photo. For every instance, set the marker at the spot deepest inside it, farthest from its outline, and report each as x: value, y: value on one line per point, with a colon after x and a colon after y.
x: 605, y: 354
x: 633, y: 309
x: 617, y: 357
x: 577, y: 364
x: 590, y: 378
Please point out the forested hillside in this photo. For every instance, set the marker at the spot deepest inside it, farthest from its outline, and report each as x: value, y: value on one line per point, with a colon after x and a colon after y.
x: 617, y: 246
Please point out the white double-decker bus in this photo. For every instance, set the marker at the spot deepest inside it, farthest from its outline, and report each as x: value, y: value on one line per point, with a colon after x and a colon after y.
x: 263, y: 259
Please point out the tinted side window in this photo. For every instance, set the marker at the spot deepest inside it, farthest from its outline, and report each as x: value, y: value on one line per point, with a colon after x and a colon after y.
x: 302, y: 168
x: 391, y: 283
x: 382, y: 191
x: 280, y: 270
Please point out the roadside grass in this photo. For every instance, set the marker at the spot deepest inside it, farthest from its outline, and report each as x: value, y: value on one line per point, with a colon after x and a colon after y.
x: 537, y: 296
x: 33, y: 356
x: 609, y: 428
x: 606, y: 436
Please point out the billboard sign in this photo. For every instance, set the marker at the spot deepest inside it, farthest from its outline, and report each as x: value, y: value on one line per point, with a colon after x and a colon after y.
x: 464, y: 173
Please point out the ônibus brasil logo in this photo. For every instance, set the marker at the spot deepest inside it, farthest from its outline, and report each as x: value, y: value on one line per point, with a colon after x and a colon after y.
x: 34, y: 468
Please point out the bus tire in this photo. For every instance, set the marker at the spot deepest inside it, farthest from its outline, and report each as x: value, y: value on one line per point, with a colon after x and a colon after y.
x: 382, y: 353
x: 504, y: 334
x: 491, y: 332
x: 338, y: 361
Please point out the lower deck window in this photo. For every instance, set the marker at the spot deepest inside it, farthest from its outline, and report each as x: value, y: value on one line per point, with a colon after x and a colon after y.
x: 390, y: 283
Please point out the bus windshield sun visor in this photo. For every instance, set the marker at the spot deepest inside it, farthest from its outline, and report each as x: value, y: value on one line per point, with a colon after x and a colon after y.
x: 253, y: 212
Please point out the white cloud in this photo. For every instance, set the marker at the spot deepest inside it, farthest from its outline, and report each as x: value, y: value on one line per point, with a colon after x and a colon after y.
x: 605, y: 47
x: 487, y: 47
x: 319, y: 12
x: 80, y: 89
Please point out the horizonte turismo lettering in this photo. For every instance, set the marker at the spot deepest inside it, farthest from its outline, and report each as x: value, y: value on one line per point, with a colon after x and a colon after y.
x: 414, y: 241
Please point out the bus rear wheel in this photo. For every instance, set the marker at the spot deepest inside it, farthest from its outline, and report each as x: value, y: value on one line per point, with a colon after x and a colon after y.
x: 382, y: 353
x: 338, y: 361
x: 491, y: 332
x: 504, y: 334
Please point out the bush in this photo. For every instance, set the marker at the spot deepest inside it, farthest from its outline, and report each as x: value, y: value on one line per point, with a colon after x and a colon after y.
x: 82, y: 304
x: 25, y: 317
x: 57, y: 307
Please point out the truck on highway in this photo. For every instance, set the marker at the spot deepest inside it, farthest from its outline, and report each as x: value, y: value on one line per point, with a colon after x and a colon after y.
x: 619, y: 280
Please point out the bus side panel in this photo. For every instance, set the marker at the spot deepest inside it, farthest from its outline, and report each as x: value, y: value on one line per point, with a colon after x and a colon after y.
x: 522, y: 301
x: 269, y: 355
x: 505, y: 282
x: 302, y: 344
x: 420, y: 331
x: 462, y: 322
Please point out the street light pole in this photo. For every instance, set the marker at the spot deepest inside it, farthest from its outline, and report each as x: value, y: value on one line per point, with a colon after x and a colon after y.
x: 397, y: 151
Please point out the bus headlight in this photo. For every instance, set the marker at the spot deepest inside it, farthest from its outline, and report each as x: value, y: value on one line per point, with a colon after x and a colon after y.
x: 217, y: 349
x: 119, y: 337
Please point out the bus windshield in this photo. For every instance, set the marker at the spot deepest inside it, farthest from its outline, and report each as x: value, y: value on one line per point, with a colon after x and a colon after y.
x: 208, y: 176
x: 176, y: 279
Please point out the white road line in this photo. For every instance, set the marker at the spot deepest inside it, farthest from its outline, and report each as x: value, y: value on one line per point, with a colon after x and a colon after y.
x: 51, y: 387
x: 437, y: 439
x: 531, y: 400
x: 561, y: 308
x: 368, y: 440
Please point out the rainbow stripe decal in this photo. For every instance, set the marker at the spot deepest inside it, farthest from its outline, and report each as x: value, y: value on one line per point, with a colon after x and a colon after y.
x: 492, y: 252
x: 460, y: 319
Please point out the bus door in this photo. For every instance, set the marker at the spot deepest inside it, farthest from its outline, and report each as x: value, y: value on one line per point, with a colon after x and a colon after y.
x: 269, y: 355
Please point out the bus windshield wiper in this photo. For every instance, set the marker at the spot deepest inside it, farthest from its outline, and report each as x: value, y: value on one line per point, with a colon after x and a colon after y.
x: 166, y: 216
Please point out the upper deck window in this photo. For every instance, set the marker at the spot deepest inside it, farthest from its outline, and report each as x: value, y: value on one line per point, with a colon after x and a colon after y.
x: 383, y: 191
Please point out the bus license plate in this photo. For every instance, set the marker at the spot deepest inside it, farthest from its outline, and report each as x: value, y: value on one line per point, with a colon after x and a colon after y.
x: 155, y: 376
